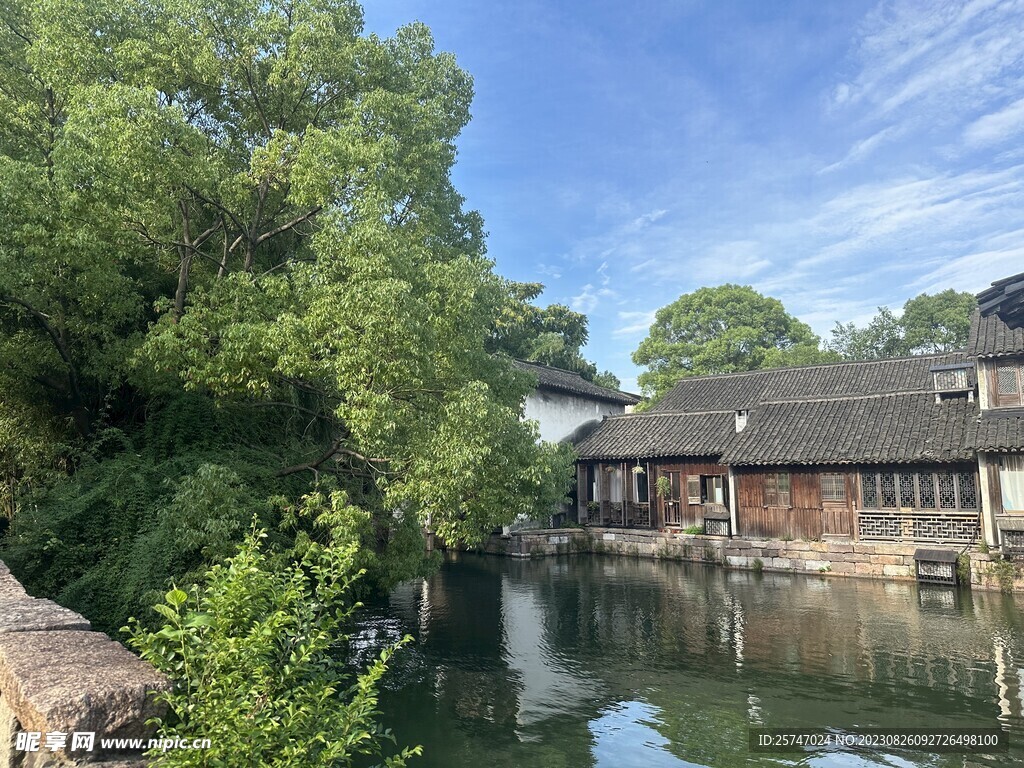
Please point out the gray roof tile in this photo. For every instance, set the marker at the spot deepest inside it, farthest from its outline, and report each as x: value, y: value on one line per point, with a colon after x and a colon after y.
x: 991, y: 336
x: 567, y: 381
x: 654, y: 435
x: 1000, y: 430
x: 896, y: 428
x: 749, y: 389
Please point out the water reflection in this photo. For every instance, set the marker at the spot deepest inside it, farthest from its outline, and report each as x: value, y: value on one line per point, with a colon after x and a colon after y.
x: 593, y: 661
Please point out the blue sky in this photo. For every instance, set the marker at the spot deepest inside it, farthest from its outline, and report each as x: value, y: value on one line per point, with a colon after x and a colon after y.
x: 836, y: 155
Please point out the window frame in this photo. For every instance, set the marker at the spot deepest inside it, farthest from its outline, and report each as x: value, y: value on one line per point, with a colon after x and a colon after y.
x: 843, y: 497
x: 1008, y: 399
x: 773, y: 493
x: 921, y: 479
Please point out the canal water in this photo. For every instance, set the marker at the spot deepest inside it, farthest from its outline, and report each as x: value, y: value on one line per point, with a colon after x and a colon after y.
x: 618, y: 662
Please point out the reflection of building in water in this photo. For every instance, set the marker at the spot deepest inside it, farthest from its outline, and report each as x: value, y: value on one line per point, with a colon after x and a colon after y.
x: 861, y: 635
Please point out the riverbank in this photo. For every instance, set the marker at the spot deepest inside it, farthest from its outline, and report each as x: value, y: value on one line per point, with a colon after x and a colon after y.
x: 838, y: 557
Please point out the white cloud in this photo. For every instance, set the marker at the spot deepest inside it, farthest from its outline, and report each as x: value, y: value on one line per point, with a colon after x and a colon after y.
x: 634, y: 323
x: 590, y: 298
x: 996, y: 127
x: 865, y: 147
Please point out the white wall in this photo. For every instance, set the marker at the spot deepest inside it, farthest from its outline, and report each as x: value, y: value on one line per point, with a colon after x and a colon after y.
x: 560, y: 414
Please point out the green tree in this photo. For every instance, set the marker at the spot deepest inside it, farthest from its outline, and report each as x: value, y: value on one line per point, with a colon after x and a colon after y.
x: 939, y: 322
x: 253, y: 658
x: 929, y: 323
x: 554, y: 335
x: 721, y: 330
x: 881, y: 337
x: 243, y: 206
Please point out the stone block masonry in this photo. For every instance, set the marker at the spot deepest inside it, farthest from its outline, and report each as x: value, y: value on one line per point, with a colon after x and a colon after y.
x: 878, y: 560
x: 56, y: 675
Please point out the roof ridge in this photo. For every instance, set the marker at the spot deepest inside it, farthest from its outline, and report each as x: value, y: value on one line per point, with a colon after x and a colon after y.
x: 839, y: 398
x: 810, y: 366
x: 636, y: 415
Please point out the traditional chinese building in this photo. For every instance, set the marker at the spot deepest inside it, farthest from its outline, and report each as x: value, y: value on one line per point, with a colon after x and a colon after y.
x: 923, y: 450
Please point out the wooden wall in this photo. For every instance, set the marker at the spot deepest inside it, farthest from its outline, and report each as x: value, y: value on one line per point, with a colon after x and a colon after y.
x: 691, y: 514
x: 807, y: 516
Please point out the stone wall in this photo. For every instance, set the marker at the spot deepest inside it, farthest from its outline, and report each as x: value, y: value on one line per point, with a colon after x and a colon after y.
x: 835, y: 557
x: 57, y: 676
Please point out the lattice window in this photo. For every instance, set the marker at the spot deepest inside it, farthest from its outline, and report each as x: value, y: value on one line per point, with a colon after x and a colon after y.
x: 776, y: 489
x: 926, y: 486
x: 1009, y: 381
x: 907, y: 490
x: 888, y: 488
x: 833, y: 486
x: 1006, y: 376
x: 947, y: 491
x: 869, y: 489
x: 968, y: 490
x: 950, y: 381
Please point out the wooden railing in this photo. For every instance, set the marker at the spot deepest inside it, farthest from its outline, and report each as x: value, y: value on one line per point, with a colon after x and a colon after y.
x: 673, y: 513
x: 917, y: 526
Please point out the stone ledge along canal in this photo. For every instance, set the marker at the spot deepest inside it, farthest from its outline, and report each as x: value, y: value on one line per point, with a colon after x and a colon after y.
x: 614, y: 662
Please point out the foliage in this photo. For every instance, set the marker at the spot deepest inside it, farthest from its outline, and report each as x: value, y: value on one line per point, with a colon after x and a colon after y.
x: 929, y: 323
x: 963, y: 568
x: 253, y: 656
x: 721, y: 330
x: 694, y: 529
x: 1005, y: 574
x: 663, y: 486
x: 554, y: 335
x: 245, y: 206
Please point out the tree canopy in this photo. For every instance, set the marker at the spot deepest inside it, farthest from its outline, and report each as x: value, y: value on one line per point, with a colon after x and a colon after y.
x: 723, y: 329
x: 554, y: 335
x: 233, y: 267
x: 929, y: 323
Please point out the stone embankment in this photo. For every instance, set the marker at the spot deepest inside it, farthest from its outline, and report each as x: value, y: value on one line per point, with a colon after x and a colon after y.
x: 58, y: 677
x: 833, y: 558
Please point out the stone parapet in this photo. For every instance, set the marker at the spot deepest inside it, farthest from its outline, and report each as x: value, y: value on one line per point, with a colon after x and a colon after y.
x: 58, y: 676
x: 833, y: 557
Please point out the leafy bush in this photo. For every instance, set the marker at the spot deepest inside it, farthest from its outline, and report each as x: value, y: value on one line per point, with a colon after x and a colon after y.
x: 693, y: 529
x: 253, y: 655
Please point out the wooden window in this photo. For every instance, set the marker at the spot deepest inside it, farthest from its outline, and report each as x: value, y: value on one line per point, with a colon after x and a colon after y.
x: 1011, y: 482
x: 945, y: 490
x: 693, y: 489
x: 712, y: 489
x: 951, y: 381
x: 833, y: 486
x: 641, y: 489
x: 1009, y: 381
x: 776, y: 489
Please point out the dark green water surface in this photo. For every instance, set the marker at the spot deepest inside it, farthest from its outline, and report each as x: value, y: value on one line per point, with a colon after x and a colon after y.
x: 612, y: 661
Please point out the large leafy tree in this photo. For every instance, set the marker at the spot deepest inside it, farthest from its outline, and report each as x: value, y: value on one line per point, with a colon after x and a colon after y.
x: 929, y: 323
x: 553, y: 335
x: 721, y: 330
x: 247, y: 204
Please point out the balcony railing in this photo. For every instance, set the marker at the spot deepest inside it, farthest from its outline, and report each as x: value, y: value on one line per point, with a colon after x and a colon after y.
x: 917, y: 526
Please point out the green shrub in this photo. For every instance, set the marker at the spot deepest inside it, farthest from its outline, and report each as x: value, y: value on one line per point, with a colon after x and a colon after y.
x: 253, y: 657
x: 963, y: 568
x: 758, y: 565
x: 694, y: 529
x: 1004, y: 573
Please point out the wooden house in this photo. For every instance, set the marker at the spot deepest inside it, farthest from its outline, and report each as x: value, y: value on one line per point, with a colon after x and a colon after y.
x: 879, y: 450
x: 997, y: 346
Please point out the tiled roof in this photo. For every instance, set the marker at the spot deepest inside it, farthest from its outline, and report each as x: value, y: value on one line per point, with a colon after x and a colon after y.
x: 992, y: 336
x: 895, y: 428
x: 746, y: 390
x: 1001, y: 430
x: 573, y: 383
x: 653, y: 435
